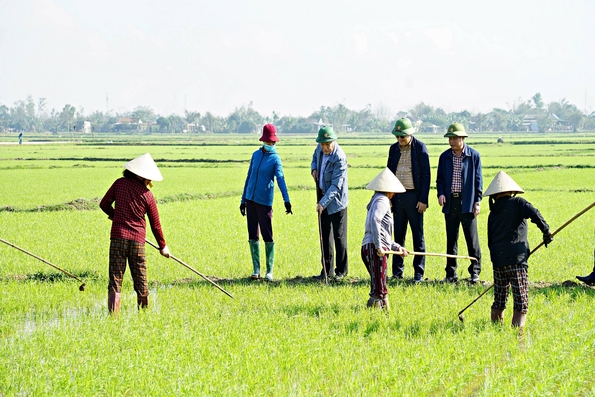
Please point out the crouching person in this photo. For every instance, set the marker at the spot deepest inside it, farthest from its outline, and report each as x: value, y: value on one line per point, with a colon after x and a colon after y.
x: 509, y: 247
x: 133, y: 200
x: 378, y: 235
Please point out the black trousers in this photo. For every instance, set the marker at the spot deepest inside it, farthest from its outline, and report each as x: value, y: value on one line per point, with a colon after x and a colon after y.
x: 454, y: 220
x: 404, y: 212
x: 334, y: 238
x: 260, y: 220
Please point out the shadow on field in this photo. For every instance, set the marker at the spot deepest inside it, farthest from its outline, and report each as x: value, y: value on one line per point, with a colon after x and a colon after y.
x: 51, y: 277
x: 568, y: 287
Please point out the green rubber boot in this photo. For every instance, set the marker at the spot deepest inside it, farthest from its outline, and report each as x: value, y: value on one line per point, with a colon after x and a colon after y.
x: 255, y: 252
x: 270, y: 252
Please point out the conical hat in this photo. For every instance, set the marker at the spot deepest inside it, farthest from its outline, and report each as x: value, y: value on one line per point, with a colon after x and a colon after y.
x: 145, y: 167
x: 386, y: 181
x: 502, y: 183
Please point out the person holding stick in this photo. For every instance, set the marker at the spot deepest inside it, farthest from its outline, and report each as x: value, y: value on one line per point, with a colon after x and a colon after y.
x: 329, y: 170
x: 257, y: 199
x: 378, y: 235
x: 459, y: 186
x: 409, y: 160
x: 133, y: 200
x: 509, y: 247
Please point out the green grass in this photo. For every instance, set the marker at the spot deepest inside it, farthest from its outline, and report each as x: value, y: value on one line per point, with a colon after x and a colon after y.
x: 294, y: 336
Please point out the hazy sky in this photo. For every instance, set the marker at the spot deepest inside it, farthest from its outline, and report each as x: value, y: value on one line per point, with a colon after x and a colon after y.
x: 294, y: 56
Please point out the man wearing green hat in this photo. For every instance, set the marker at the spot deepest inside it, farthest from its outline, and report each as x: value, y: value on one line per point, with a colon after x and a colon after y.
x: 409, y: 160
x: 329, y: 170
x: 459, y: 184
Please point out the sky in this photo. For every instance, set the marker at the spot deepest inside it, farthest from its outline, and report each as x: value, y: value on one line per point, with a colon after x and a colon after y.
x: 292, y: 57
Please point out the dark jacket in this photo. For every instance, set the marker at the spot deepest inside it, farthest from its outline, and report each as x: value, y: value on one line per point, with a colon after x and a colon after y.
x: 420, y: 166
x: 507, y: 230
x: 472, y: 181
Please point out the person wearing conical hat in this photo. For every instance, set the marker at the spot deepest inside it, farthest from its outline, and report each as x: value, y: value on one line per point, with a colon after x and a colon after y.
x: 459, y: 186
x: 133, y: 200
x: 329, y: 171
x: 409, y: 160
x: 257, y: 199
x: 378, y: 235
x: 509, y: 247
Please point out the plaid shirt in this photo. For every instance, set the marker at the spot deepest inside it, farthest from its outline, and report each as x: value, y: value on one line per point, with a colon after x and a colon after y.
x: 457, y: 164
x: 133, y: 200
x: 404, y: 171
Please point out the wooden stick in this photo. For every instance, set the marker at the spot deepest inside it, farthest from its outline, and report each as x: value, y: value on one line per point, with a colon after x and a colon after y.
x: 322, y: 249
x: 433, y: 254
x: 81, y: 288
x: 192, y: 269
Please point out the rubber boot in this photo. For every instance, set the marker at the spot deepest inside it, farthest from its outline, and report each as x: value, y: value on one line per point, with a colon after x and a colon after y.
x: 518, y: 319
x: 497, y: 315
x: 255, y: 252
x: 374, y: 303
x: 142, y: 301
x: 590, y: 279
x: 270, y: 252
x: 113, y: 302
x: 385, y: 304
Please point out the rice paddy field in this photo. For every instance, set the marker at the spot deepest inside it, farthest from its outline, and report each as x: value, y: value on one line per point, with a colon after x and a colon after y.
x: 294, y: 336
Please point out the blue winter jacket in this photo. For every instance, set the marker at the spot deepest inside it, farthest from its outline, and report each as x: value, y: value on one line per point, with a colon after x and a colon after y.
x: 260, y: 181
x: 334, y: 178
x: 471, y: 183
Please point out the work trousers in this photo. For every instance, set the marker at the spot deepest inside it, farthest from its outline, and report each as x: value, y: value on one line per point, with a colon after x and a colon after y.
x: 121, y: 250
x: 404, y: 212
x: 454, y: 219
x: 514, y: 276
x: 376, y: 266
x: 260, y: 221
x: 334, y: 238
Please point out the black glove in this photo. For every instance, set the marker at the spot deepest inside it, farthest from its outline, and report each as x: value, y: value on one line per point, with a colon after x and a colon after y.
x: 288, y: 208
x: 243, y: 209
x: 547, y: 238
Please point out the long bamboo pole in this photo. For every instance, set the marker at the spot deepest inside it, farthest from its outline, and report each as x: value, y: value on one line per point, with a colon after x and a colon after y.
x: 82, y: 286
x: 434, y: 254
x: 192, y: 269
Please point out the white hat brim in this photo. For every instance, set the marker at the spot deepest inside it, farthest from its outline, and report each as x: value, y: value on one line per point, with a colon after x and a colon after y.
x: 502, y: 183
x: 145, y: 167
x: 386, y: 181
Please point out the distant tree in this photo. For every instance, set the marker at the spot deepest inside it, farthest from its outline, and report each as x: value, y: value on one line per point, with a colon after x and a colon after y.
x: 19, y: 121
x: 67, y: 117
x: 537, y: 101
x: 497, y: 120
x: 576, y: 120
x: 247, y: 126
x: 4, y: 117
x: 144, y: 113
x: 164, y: 124
x: 210, y: 122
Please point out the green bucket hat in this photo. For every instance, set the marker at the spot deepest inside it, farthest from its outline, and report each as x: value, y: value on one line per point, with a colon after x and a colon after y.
x: 326, y: 134
x: 403, y: 127
x: 455, y: 129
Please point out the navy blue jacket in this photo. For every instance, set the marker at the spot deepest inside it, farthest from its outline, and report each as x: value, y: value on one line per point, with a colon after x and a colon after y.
x: 472, y: 181
x: 420, y: 166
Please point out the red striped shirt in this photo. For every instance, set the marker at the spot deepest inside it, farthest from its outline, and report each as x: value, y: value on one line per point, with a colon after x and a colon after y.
x: 133, y: 200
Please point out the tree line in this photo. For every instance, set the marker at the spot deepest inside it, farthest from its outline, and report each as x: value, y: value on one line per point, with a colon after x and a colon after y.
x: 33, y: 116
